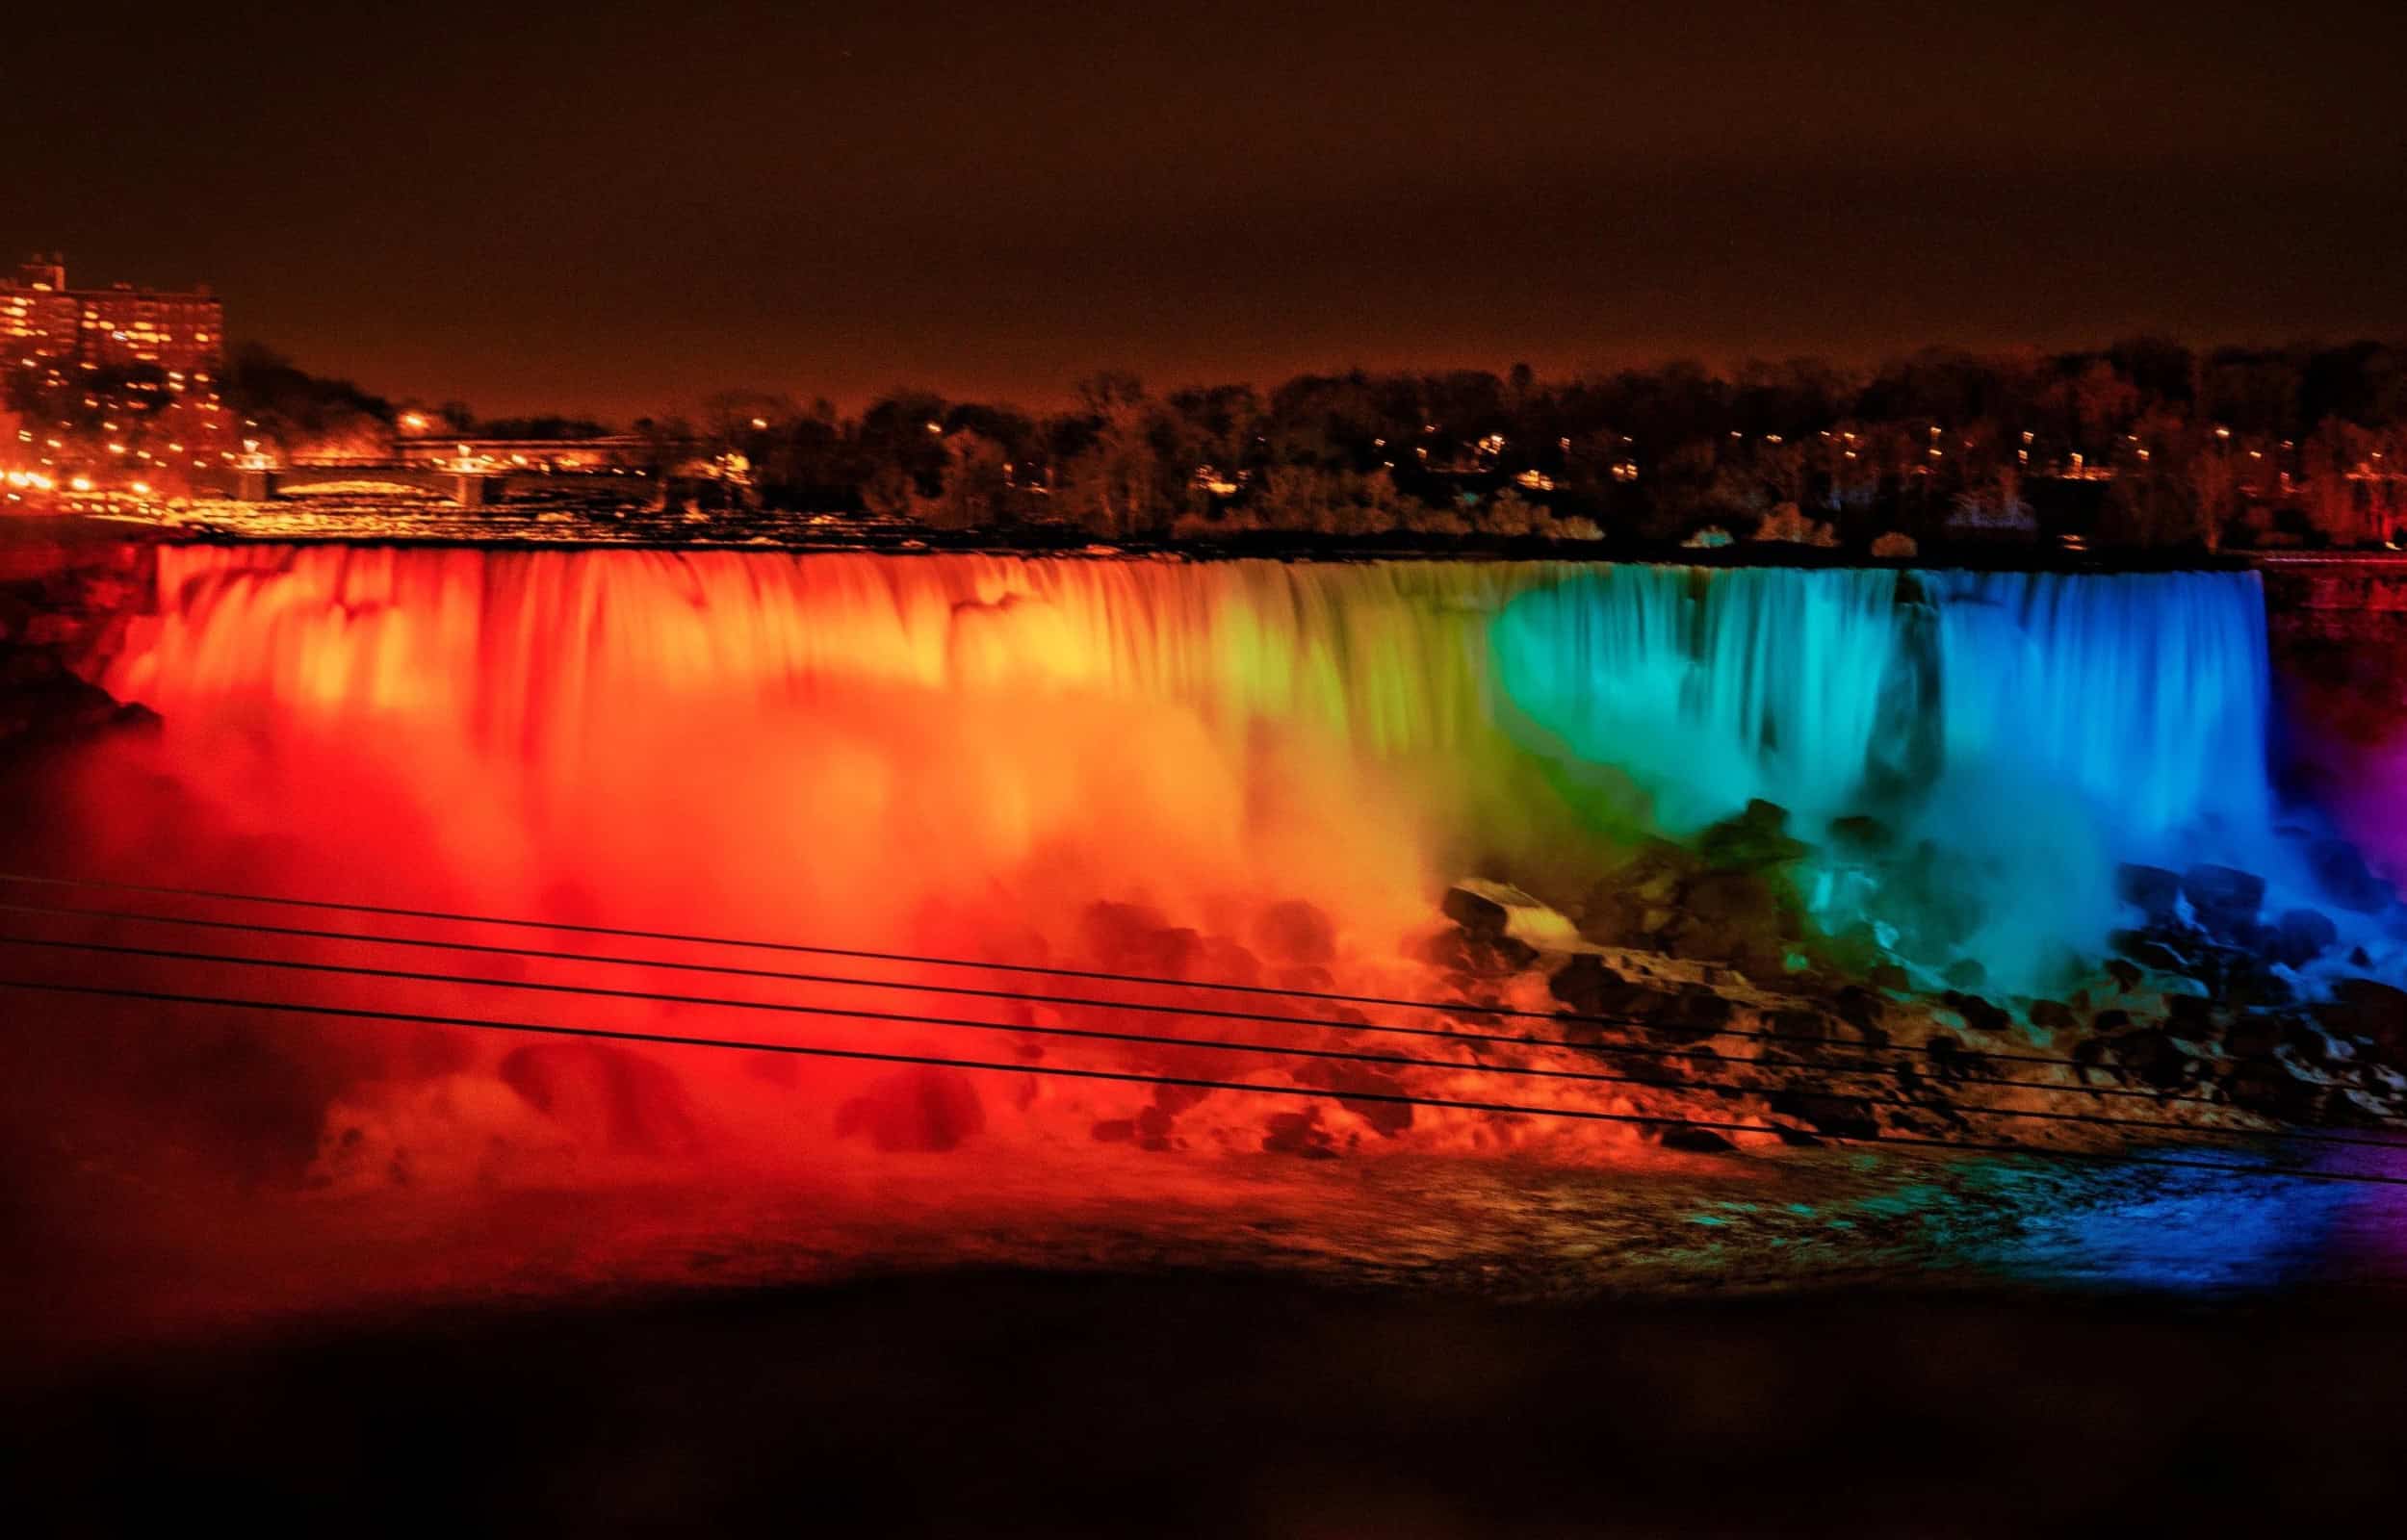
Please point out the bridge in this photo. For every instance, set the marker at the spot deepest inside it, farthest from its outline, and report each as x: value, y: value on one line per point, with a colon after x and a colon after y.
x: 470, y: 488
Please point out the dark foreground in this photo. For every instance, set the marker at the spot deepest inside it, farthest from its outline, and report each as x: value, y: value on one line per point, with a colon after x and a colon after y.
x: 1014, y: 1402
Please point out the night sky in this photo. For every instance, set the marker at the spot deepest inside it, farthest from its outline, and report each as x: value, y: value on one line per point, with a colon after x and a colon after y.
x: 618, y: 208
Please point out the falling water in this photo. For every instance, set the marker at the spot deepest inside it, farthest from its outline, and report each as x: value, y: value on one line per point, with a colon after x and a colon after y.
x: 1390, y: 722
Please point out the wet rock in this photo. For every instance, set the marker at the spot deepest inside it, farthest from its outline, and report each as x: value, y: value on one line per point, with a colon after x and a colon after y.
x: 2192, y: 1016
x: 2340, y: 871
x: 1134, y: 938
x: 2051, y: 1015
x: 1690, y: 1016
x: 1753, y: 840
x: 1482, y: 918
x: 2300, y: 935
x: 1861, y: 1009
x: 920, y: 1109
x: 1978, y: 1013
x: 1838, y: 1117
x: 2252, y: 1035
x: 1588, y: 988
x: 2150, y: 949
x: 1696, y: 1141
x: 1469, y: 960
x: 2362, y: 1007
x: 1296, y: 935
x: 1387, y: 1119
x: 1299, y: 1134
x: 1630, y: 907
x: 2125, y: 975
x: 608, y: 1095
x: 1891, y: 977
x: 2150, y: 890
x: 2262, y: 1085
x: 1734, y: 918
x: 1965, y: 973
x: 2152, y: 1057
x: 2225, y: 899
x: 1498, y: 912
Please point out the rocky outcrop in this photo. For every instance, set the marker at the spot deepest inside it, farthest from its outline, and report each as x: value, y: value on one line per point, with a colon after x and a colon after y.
x: 65, y: 595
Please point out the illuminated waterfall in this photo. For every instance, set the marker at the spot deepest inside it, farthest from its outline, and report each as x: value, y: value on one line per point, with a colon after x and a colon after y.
x: 1397, y: 719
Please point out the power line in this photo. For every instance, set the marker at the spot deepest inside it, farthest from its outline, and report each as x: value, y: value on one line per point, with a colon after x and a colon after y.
x: 1853, y: 1066
x: 1133, y: 1077
x: 1450, y: 1007
x: 1151, y: 1040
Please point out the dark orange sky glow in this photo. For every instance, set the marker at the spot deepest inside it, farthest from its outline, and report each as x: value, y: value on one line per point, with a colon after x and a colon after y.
x: 619, y: 209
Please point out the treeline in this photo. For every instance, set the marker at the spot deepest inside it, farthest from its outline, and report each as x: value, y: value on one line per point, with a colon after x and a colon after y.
x: 2146, y: 443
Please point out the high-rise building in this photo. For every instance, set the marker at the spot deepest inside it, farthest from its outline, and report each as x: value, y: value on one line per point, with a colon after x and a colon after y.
x: 121, y: 377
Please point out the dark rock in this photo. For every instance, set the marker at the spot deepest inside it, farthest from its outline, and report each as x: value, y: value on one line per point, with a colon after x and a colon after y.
x: 620, y: 1099
x: 1891, y: 977
x: 2224, y: 898
x: 1798, y: 1026
x: 1481, y: 919
x: 2190, y: 1015
x: 1951, y: 1060
x: 2252, y: 1035
x: 2051, y: 1015
x: 2262, y: 1085
x: 1861, y: 836
x: 2152, y: 1055
x: 1133, y: 939
x: 2150, y: 950
x: 1734, y: 918
x: 1296, y: 934
x: 1696, y: 1141
x: 1693, y: 1013
x: 2340, y: 871
x: 1838, y: 1117
x: 2362, y: 1007
x: 1978, y: 1013
x: 1299, y: 1134
x: 917, y: 1109
x: 1861, y: 1009
x: 2126, y: 977
x: 2150, y: 890
x: 1965, y: 973
x: 2301, y: 936
x: 1588, y: 987
x: 1473, y: 959
x: 1753, y: 840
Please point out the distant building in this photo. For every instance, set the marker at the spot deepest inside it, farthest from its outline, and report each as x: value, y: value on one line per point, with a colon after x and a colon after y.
x: 122, y: 379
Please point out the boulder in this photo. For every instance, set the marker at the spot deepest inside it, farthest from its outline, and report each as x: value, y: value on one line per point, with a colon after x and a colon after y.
x: 1498, y: 912
x: 1838, y: 1117
x: 1588, y: 987
x: 2300, y: 935
x: 1696, y: 1141
x: 2148, y: 890
x: 2224, y: 898
x: 1751, y: 840
x: 1734, y: 918
x: 2362, y: 1007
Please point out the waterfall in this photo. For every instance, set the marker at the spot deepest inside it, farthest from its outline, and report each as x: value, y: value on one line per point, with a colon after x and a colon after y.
x: 985, y: 713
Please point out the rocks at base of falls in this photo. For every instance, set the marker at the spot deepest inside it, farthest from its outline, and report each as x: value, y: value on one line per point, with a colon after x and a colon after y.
x: 60, y: 602
x: 1729, y: 900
